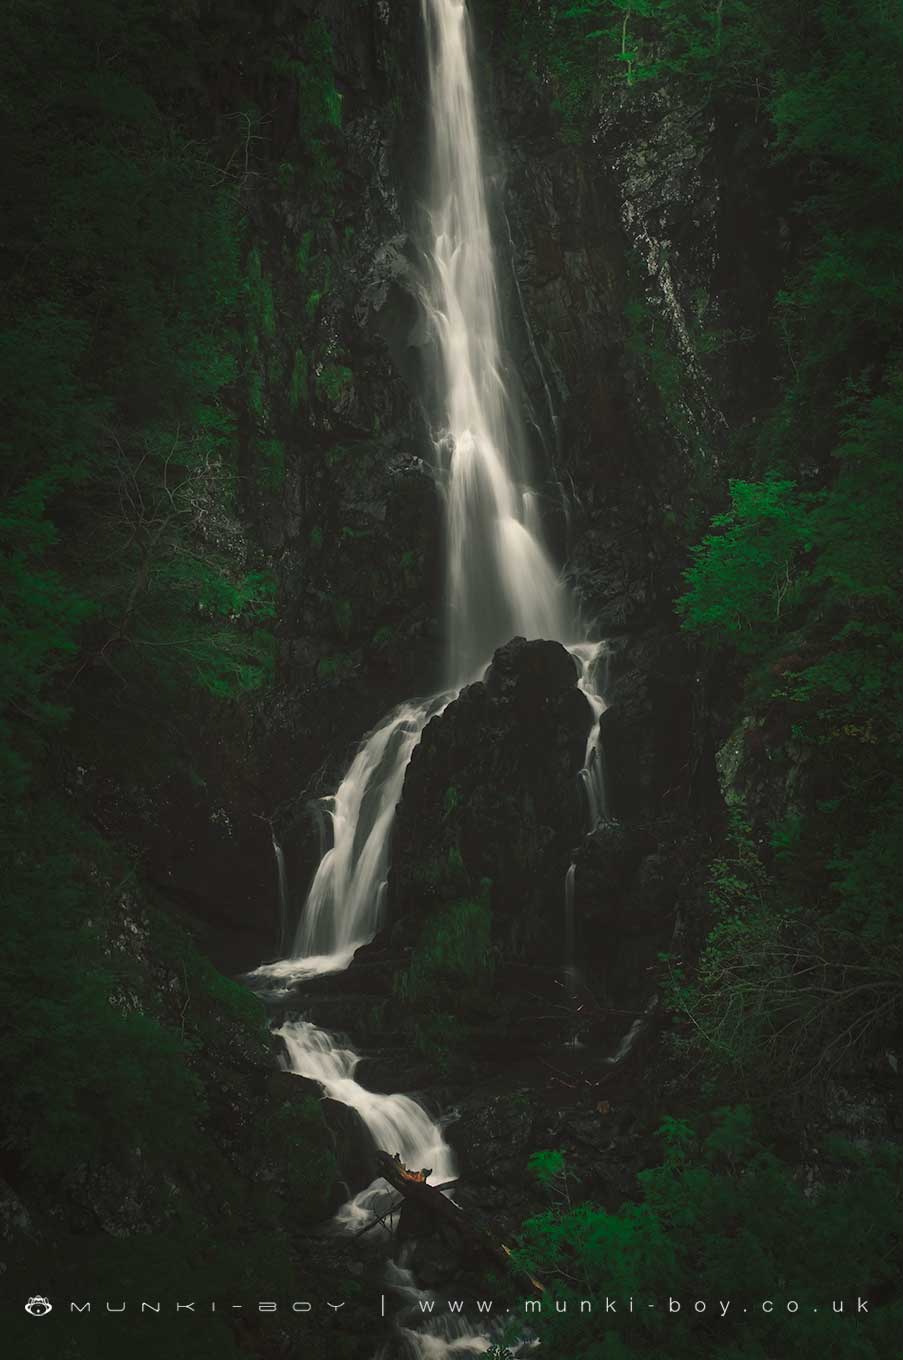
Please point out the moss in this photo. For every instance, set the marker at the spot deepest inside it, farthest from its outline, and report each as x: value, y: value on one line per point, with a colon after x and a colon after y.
x: 275, y: 370
x: 453, y: 959
x: 333, y: 381
x: 319, y: 102
x: 297, y: 388
x: 255, y: 396
x: 343, y: 614
x: 270, y: 464
x: 261, y: 308
x: 335, y: 667
x: 298, y: 1138
x: 302, y: 255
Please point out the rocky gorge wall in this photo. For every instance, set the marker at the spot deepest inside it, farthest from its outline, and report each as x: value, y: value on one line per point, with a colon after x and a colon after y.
x: 604, y: 253
x: 636, y: 267
x: 612, y: 261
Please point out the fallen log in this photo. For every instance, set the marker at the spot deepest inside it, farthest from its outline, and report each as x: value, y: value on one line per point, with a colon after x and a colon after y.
x: 379, y: 1218
x: 414, y: 1187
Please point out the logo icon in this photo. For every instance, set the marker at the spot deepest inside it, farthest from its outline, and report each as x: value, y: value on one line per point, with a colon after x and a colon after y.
x: 38, y: 1307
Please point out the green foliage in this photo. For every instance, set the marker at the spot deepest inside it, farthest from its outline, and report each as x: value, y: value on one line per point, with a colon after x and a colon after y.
x: 580, y: 48
x: 333, y: 381
x: 88, y: 1073
x: 335, y: 667
x: 259, y: 291
x: 297, y: 390
x: 435, y: 1036
x: 744, y: 576
x: 271, y: 466
x: 303, y: 254
x: 723, y: 1216
x: 118, y: 351
x: 547, y: 1166
x: 805, y: 586
x: 319, y: 103
x: 783, y: 996
x: 297, y: 1135
x: 453, y: 958
x: 141, y: 367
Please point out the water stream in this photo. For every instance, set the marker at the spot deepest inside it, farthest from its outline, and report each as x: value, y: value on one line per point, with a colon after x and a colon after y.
x: 282, y: 890
x: 500, y: 583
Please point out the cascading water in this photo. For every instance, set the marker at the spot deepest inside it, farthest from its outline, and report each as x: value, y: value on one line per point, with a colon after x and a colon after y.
x: 587, y: 655
x: 396, y: 1122
x: 501, y: 583
x: 282, y: 889
x: 341, y: 910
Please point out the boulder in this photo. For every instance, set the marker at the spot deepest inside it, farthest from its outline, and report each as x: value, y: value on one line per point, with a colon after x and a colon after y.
x: 491, y: 793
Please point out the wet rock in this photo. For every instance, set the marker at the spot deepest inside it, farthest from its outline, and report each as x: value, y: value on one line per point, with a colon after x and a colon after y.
x: 647, y: 729
x: 491, y: 793
x: 14, y: 1216
x: 528, y: 673
x: 626, y: 886
x: 355, y: 1149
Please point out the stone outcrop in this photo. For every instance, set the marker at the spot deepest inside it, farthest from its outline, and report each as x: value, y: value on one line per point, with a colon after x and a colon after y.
x: 491, y: 793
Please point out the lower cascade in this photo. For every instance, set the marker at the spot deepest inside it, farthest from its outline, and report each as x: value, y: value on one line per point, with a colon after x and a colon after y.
x: 396, y: 1121
x: 501, y: 583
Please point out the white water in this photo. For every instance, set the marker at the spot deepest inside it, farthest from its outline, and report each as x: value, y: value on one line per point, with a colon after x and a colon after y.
x: 501, y: 583
x: 398, y: 1124
x: 341, y: 912
x: 587, y: 654
x: 282, y: 891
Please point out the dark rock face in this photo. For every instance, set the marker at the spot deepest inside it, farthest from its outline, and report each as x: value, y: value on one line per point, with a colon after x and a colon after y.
x: 647, y: 728
x: 492, y: 793
x: 349, y: 527
x: 527, y: 673
x: 355, y: 1149
x: 626, y: 888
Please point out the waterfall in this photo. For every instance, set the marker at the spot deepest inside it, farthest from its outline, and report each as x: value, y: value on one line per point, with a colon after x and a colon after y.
x: 341, y: 912
x: 500, y: 580
x: 570, y: 933
x: 398, y: 1124
x: 592, y: 776
x: 282, y: 890
x: 500, y: 583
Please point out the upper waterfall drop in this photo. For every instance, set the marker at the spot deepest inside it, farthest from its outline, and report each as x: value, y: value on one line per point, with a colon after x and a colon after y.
x: 501, y: 581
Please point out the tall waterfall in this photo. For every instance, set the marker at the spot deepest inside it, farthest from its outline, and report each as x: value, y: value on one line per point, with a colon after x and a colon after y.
x: 500, y: 580
x: 501, y: 583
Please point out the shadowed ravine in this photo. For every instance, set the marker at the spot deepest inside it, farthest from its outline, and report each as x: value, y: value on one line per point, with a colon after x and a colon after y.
x: 500, y: 583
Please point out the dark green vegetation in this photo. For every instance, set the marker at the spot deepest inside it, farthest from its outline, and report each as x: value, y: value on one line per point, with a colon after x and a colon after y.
x: 448, y: 980
x: 159, y: 355
x: 135, y: 604
x: 794, y: 597
x: 722, y: 1218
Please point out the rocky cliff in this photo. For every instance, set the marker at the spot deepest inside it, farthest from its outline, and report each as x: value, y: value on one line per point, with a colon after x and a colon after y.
x: 638, y: 259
